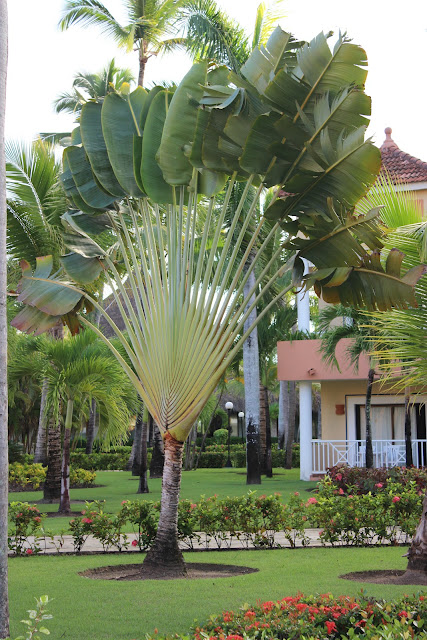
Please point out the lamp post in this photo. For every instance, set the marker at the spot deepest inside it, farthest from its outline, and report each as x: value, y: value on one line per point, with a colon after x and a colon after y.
x: 241, y: 415
x: 229, y: 407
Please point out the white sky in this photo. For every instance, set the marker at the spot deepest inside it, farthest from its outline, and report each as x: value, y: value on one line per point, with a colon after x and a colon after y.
x: 43, y: 61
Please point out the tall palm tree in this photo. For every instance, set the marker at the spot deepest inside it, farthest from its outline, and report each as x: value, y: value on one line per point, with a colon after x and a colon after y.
x: 92, y: 86
x: 4, y: 600
x: 186, y: 322
x: 148, y: 22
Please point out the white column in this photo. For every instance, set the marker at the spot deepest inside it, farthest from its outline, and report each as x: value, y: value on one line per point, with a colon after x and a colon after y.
x: 305, y: 401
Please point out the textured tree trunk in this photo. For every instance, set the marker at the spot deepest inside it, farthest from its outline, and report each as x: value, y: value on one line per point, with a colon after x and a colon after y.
x: 91, y: 428
x: 189, y: 456
x: 4, y: 474
x: 137, y: 435
x: 143, y: 482
x: 165, y: 557
x: 417, y: 554
x: 64, y: 504
x: 283, y: 422
x: 291, y: 428
x: 52, y: 484
x: 142, y: 62
x: 262, y: 429
x: 158, y: 457
x: 40, y: 454
x: 268, y: 458
x: 408, y: 435
x: 252, y: 410
x: 369, y: 449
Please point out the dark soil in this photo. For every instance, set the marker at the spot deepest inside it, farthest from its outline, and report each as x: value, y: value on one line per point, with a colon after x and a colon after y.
x: 57, y: 500
x: 195, y: 570
x: 390, y: 576
x: 56, y: 514
x: 18, y: 488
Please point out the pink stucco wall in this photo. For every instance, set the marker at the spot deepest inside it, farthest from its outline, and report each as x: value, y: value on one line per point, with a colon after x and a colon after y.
x: 301, y: 360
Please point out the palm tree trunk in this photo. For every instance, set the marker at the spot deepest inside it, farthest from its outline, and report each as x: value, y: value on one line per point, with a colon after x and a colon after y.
x: 4, y: 474
x: 268, y: 463
x: 158, y: 456
x: 417, y: 554
x: 262, y: 429
x: 165, y: 557
x: 90, y: 428
x: 40, y: 454
x: 283, y: 423
x: 137, y: 434
x: 252, y: 410
x: 143, y: 483
x: 142, y: 62
x: 291, y: 425
x: 52, y: 484
x: 369, y: 450
x: 64, y: 504
x: 408, y: 435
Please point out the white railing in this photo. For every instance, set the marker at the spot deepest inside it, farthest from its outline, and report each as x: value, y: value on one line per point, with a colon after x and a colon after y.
x: 387, y: 453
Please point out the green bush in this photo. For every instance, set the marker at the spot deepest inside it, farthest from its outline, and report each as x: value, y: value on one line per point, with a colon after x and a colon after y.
x: 212, y: 460
x: 101, y: 461
x: 25, y: 521
x: 27, y: 477
x: 220, y: 436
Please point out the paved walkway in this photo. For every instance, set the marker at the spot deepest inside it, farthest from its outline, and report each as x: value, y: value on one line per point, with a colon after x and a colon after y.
x: 64, y: 544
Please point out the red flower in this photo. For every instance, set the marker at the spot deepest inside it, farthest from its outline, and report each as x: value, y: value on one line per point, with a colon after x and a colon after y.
x: 29, y: 552
x: 134, y: 543
x: 403, y: 614
x: 235, y: 637
x: 396, y: 499
x: 330, y: 626
x: 87, y: 520
x: 267, y: 606
x: 312, y: 501
x: 339, y: 476
x: 379, y: 485
x: 341, y: 492
x: 250, y: 614
x: 37, y: 519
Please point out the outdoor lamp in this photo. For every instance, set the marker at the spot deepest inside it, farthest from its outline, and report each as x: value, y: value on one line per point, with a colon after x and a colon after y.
x: 229, y: 407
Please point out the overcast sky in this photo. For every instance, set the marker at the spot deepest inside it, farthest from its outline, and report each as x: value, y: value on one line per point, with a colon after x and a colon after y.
x: 43, y: 61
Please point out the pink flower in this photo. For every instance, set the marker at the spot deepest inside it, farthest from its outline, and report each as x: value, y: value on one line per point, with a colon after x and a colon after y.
x: 123, y: 502
x: 29, y: 552
x: 312, y: 501
x: 134, y: 543
x: 379, y: 485
x: 87, y: 521
x: 396, y: 499
x: 193, y: 506
x: 339, y: 476
x: 341, y: 492
x: 37, y: 519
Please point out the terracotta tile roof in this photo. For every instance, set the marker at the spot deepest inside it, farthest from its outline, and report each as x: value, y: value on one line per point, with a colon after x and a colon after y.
x: 400, y: 165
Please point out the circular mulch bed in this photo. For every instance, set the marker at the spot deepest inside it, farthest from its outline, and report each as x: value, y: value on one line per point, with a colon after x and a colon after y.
x: 390, y: 576
x: 195, y: 570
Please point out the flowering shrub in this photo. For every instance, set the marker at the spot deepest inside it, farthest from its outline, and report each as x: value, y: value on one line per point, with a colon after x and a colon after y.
x: 143, y: 516
x: 29, y: 477
x: 26, y: 520
x: 360, y: 480
x: 102, y: 526
x: 389, y: 515
x: 319, y: 617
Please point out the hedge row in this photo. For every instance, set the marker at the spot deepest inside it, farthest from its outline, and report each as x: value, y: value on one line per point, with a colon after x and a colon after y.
x: 388, y: 517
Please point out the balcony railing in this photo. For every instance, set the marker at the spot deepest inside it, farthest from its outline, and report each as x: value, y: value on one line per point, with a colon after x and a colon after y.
x: 387, y: 453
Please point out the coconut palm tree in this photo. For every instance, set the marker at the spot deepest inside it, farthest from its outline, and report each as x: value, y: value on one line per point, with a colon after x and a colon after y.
x: 148, y: 24
x: 186, y: 321
x: 92, y: 86
x: 4, y: 474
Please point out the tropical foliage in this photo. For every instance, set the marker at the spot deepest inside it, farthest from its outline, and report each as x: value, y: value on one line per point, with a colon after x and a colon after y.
x: 295, y: 117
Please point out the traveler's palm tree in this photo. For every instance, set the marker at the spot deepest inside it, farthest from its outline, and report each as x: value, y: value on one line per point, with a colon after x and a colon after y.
x: 92, y: 86
x: 282, y: 125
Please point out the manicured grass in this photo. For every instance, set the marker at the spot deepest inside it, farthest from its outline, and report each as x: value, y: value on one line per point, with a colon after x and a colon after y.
x: 114, y: 610
x: 120, y: 485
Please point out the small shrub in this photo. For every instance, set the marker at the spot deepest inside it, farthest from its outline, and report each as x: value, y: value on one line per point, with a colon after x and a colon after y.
x: 220, y: 436
x: 30, y: 477
x: 360, y: 480
x: 143, y: 516
x: 80, y: 478
x: 36, y: 618
x: 212, y: 460
x: 25, y: 520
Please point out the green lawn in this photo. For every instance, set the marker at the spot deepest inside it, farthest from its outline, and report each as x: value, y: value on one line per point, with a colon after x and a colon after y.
x: 120, y: 485
x: 87, y: 609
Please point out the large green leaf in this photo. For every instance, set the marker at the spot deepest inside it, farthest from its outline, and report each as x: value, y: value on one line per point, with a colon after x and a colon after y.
x: 120, y: 118
x: 263, y: 63
x: 154, y: 184
x: 94, y: 144
x: 84, y: 180
x: 180, y: 126
x: 80, y: 269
